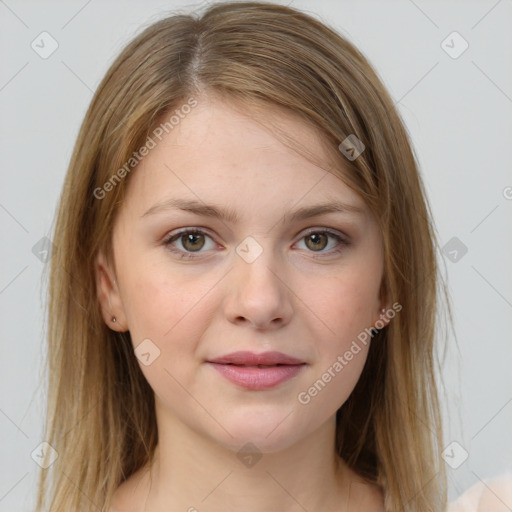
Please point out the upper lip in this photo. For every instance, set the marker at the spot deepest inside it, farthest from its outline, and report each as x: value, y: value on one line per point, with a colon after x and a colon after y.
x: 252, y: 359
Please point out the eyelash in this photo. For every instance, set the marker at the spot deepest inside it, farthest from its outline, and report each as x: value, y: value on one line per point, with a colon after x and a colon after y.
x: 342, y: 242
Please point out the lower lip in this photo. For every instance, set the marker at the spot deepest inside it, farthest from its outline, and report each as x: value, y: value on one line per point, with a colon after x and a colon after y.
x: 252, y: 377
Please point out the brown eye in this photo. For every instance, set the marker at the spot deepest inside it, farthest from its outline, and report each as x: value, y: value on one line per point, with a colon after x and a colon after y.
x: 188, y: 242
x: 192, y: 241
x: 324, y: 242
x: 317, y: 241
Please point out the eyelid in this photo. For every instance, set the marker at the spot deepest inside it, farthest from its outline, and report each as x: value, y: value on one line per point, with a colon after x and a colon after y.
x: 173, y: 236
x: 324, y: 229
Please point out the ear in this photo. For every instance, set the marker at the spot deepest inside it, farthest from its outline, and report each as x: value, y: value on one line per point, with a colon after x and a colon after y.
x: 108, y: 294
x: 381, y: 317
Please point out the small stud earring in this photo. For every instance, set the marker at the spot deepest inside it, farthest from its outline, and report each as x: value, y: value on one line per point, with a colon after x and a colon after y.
x: 113, y: 320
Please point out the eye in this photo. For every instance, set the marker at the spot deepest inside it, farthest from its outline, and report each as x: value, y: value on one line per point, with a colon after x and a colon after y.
x: 316, y: 240
x: 192, y: 241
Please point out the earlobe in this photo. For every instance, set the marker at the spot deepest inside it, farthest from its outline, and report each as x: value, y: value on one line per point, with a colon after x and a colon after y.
x: 108, y: 294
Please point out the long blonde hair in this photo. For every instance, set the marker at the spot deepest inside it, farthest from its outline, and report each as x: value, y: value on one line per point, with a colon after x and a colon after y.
x: 101, y: 415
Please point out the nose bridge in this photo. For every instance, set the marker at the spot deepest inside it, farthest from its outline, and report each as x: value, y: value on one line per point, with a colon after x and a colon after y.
x: 256, y: 266
x: 258, y: 293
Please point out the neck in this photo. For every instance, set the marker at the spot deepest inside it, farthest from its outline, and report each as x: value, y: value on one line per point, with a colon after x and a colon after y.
x: 192, y: 472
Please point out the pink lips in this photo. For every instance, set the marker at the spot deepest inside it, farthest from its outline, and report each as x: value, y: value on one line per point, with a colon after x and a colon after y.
x: 257, y: 371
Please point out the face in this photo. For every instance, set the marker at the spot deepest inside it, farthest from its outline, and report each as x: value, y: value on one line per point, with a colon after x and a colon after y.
x: 210, y: 260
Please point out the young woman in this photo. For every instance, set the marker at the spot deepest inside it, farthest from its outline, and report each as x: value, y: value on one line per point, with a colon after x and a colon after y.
x: 244, y: 291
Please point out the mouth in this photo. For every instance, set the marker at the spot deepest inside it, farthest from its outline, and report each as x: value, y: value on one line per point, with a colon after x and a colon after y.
x: 257, y: 372
x: 245, y: 358
x: 256, y: 365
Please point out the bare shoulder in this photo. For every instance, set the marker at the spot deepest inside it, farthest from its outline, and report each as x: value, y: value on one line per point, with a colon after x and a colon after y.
x: 492, y: 495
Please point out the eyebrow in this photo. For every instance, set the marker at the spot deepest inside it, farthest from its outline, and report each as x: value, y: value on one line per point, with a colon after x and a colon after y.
x: 229, y: 215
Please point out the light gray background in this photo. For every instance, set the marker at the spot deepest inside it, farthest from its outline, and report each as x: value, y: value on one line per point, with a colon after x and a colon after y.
x: 457, y: 110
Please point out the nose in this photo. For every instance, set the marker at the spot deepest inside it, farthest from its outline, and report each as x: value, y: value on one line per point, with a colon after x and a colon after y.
x: 258, y: 294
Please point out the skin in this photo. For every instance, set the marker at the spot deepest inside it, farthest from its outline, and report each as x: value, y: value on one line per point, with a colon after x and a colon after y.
x: 298, y: 296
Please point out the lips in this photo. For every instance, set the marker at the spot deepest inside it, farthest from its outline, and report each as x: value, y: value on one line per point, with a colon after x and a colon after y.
x: 257, y: 371
x: 245, y: 358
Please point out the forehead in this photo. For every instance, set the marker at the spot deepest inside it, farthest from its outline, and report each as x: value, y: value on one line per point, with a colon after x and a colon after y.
x: 221, y: 152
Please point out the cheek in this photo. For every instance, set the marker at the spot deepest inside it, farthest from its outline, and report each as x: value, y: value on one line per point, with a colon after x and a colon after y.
x: 161, y: 303
x: 335, y: 374
x: 173, y: 313
x: 347, y: 305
